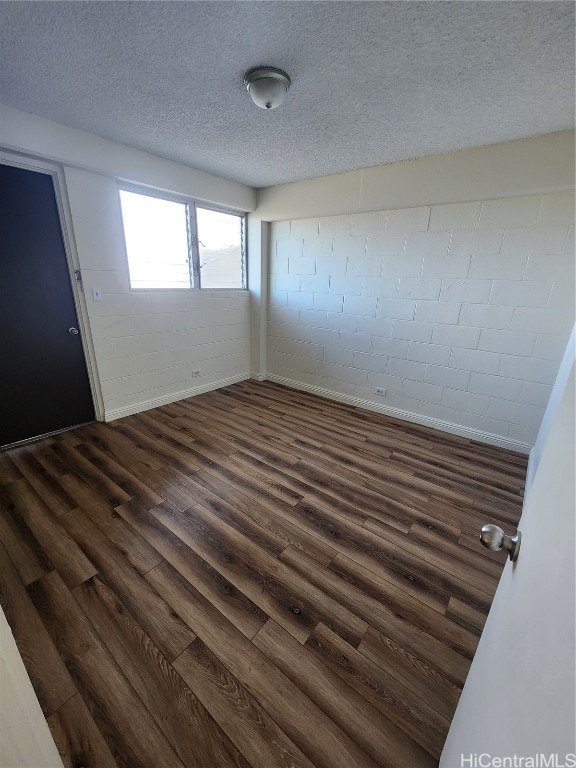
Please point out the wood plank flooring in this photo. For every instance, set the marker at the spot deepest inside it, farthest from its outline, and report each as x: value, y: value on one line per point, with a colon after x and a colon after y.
x: 252, y: 577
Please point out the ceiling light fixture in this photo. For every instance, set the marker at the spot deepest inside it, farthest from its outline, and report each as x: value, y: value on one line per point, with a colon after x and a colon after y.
x: 267, y: 86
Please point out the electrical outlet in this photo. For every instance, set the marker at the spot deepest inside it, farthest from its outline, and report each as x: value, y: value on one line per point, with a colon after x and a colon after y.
x: 379, y: 391
x: 97, y: 294
x: 196, y: 373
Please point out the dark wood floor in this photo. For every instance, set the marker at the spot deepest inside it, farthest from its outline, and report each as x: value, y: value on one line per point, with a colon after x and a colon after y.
x: 252, y: 577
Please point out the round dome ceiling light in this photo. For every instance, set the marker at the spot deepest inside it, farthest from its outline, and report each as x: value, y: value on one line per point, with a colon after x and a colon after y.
x: 267, y: 86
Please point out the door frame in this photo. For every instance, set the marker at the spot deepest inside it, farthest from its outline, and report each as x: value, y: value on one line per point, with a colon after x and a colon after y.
x: 56, y: 171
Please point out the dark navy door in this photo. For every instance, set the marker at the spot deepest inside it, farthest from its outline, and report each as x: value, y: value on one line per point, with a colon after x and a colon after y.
x: 44, y: 383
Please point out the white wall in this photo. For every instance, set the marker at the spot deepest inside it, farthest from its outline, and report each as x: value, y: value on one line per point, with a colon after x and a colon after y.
x: 34, y: 135
x: 146, y: 343
x: 566, y: 366
x: 258, y: 244
x: 25, y: 740
x: 539, y: 165
x: 460, y: 312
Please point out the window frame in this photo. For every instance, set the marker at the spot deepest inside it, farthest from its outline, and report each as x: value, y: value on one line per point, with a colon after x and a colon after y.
x: 191, y: 204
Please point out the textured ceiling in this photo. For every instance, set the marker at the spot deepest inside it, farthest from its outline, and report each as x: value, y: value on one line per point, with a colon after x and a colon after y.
x: 372, y: 82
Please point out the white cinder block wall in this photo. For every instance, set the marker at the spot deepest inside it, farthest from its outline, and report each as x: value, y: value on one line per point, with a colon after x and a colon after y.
x: 460, y: 313
x: 148, y: 343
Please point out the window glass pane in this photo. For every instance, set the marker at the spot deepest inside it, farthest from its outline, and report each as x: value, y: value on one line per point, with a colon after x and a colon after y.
x: 156, y: 233
x: 221, y: 249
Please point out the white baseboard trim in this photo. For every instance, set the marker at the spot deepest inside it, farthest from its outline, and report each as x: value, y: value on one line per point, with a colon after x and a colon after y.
x: 258, y: 376
x: 146, y: 405
x: 416, y: 418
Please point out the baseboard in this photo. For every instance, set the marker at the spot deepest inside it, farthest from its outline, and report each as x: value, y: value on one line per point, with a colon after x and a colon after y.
x: 416, y: 418
x: 146, y: 405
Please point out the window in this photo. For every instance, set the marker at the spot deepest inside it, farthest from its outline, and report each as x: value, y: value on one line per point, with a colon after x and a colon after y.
x: 173, y: 244
x: 220, y: 247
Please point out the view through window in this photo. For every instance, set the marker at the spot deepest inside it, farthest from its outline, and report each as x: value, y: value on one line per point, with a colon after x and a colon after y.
x: 220, y: 239
x: 174, y: 244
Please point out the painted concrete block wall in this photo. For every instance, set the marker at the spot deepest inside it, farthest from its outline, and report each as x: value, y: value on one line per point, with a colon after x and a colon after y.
x: 460, y: 313
x: 539, y: 165
x: 148, y: 343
